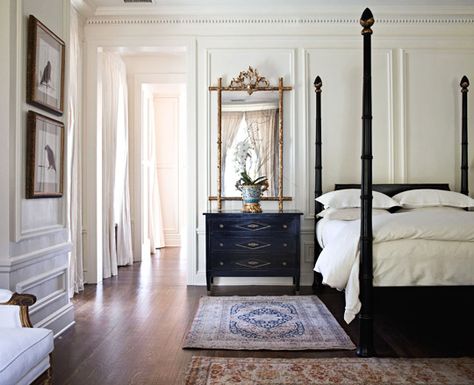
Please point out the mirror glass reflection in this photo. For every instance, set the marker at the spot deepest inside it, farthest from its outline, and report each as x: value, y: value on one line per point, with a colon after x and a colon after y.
x: 250, y: 139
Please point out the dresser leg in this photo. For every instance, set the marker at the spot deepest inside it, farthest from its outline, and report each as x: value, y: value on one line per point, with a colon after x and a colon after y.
x: 209, y: 281
x: 297, y: 284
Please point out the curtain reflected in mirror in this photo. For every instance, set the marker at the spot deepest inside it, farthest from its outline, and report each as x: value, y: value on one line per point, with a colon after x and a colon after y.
x: 250, y: 143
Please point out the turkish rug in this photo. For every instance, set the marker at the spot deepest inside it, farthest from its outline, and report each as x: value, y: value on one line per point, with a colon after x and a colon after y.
x: 269, y: 323
x: 326, y: 371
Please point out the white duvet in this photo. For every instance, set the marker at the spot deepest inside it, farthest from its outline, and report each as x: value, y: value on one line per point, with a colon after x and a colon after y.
x: 420, y: 247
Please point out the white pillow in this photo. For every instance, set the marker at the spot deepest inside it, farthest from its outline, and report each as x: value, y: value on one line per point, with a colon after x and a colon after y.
x: 430, y: 197
x: 349, y: 214
x: 342, y: 199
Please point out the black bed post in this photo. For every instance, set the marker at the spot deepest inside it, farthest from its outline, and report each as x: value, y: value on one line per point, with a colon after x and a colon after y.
x: 464, y: 162
x: 318, y: 178
x: 365, y: 348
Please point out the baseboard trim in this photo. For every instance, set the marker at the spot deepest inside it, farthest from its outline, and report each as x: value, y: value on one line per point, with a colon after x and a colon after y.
x: 70, y: 325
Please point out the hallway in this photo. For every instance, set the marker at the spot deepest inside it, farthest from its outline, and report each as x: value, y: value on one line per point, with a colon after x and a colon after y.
x: 129, y: 329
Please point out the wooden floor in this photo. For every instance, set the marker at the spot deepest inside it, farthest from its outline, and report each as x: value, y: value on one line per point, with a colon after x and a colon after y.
x: 129, y: 330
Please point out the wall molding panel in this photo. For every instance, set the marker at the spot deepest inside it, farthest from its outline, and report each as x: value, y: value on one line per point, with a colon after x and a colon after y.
x: 308, y: 252
x: 26, y: 259
x: 26, y: 285
x: 48, y: 300
x: 435, y: 74
x: 58, y: 321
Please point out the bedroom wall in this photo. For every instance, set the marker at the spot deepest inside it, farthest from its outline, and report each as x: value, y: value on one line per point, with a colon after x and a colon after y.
x: 34, y: 242
x: 419, y: 56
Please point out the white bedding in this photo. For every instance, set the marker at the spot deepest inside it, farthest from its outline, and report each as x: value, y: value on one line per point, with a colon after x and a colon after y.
x: 421, y: 247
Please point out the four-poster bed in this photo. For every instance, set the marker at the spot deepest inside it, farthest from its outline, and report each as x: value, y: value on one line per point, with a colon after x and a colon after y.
x: 365, y: 240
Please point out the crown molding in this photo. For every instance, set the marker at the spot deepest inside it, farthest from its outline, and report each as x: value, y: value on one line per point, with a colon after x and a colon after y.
x: 295, y: 8
x: 84, y: 7
x: 291, y: 20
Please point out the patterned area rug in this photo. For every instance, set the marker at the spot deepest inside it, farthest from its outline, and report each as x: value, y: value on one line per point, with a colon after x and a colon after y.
x: 272, y: 323
x: 330, y: 371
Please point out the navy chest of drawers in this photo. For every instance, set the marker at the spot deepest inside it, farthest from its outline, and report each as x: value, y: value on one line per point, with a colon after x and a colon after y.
x: 253, y: 245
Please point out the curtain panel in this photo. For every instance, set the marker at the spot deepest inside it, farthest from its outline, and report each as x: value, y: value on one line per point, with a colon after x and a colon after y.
x: 117, y: 242
x: 74, y: 174
x: 262, y: 131
x: 230, y: 127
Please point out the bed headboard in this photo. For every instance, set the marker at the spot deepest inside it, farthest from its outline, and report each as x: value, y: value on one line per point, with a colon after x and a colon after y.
x: 392, y: 189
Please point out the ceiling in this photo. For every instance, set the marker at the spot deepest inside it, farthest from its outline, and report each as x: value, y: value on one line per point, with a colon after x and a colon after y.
x: 105, y: 6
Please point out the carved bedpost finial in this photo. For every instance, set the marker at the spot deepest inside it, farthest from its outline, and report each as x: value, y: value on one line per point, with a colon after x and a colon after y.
x: 464, y: 84
x: 318, y: 84
x: 367, y: 21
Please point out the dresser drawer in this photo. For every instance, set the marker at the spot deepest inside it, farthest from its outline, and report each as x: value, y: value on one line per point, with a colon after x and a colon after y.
x: 233, y: 261
x: 271, y: 225
x: 253, y: 244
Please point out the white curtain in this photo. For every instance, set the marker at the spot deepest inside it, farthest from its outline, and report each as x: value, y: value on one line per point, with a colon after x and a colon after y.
x: 116, y: 197
x: 155, y: 221
x: 230, y: 127
x: 263, y: 135
x: 74, y: 175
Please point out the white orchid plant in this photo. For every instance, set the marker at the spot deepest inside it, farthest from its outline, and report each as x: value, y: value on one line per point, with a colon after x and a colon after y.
x: 243, y: 161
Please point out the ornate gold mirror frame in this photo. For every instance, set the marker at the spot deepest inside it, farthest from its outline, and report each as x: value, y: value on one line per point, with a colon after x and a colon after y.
x: 249, y: 81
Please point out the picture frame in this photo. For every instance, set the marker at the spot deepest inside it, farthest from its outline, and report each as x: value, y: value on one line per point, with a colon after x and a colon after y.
x: 45, y: 68
x: 45, y: 157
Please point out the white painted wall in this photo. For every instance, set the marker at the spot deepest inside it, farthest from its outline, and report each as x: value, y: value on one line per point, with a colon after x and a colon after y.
x: 33, y: 234
x: 6, y: 156
x: 419, y: 56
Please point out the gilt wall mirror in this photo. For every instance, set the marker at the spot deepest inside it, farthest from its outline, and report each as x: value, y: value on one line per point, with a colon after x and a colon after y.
x: 249, y: 135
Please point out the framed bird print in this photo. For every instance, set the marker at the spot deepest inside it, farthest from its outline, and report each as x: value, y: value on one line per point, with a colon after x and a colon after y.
x: 45, y: 156
x: 45, y: 68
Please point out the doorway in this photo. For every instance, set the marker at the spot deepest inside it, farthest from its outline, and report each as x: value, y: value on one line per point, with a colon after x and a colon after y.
x: 164, y: 114
x: 146, y: 67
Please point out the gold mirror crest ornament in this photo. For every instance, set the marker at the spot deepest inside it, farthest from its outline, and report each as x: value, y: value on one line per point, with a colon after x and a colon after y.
x: 250, y: 81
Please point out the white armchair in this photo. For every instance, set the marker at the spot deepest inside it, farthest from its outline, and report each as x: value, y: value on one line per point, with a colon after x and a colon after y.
x: 24, y: 350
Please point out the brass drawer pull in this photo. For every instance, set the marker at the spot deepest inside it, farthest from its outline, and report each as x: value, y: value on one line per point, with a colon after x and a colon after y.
x: 253, y: 245
x: 285, y: 226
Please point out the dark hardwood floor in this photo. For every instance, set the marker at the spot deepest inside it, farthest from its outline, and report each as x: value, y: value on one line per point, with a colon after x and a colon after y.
x: 129, y: 330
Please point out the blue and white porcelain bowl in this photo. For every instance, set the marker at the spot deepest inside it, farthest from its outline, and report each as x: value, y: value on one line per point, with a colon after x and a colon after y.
x: 251, y: 193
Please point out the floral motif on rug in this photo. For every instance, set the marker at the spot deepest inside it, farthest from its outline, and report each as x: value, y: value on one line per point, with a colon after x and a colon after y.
x: 330, y: 371
x: 272, y: 323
